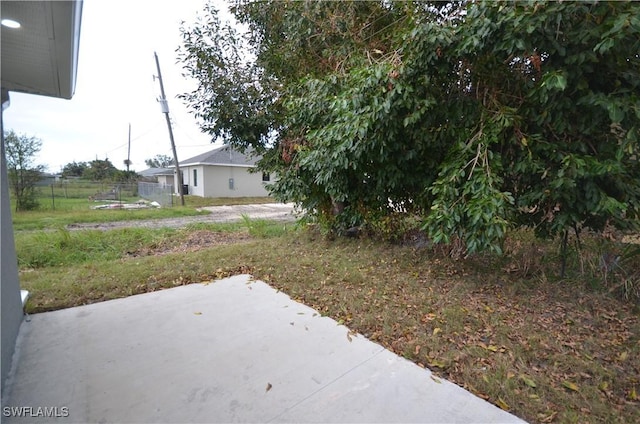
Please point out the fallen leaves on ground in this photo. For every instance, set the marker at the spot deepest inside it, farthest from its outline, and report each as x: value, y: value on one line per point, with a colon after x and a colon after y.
x: 193, y: 241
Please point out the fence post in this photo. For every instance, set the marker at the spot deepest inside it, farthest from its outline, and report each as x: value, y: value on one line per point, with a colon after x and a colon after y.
x: 53, y: 199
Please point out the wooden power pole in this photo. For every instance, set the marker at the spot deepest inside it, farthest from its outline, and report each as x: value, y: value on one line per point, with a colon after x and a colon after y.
x: 165, y: 109
x: 128, y: 161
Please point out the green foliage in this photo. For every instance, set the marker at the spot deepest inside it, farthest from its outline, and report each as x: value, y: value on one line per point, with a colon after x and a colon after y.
x: 20, y: 151
x: 479, y: 116
x: 121, y: 176
x: 159, y: 161
x: 100, y: 170
x: 64, y: 247
x: 262, y: 228
x: 74, y: 169
x: 235, y: 99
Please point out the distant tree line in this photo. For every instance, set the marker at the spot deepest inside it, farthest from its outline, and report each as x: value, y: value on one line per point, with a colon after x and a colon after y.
x: 97, y: 170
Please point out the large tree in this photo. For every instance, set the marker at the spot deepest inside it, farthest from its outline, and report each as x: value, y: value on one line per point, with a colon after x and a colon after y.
x: 21, y: 151
x: 244, y: 80
x: 100, y: 170
x: 478, y: 116
x: 74, y: 169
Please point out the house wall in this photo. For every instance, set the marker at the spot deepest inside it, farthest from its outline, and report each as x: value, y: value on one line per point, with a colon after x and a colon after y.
x: 195, y: 190
x: 11, y: 303
x: 167, y: 180
x: 215, y: 182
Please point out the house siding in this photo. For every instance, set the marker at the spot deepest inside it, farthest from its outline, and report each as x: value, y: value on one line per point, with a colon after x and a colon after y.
x: 167, y: 180
x: 215, y: 182
x: 9, y: 282
x: 215, y: 169
x: 188, y: 180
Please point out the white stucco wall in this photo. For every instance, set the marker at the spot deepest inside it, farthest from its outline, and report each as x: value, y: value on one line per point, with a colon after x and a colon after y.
x: 214, y: 182
x: 194, y: 190
x: 11, y: 303
x: 166, y: 180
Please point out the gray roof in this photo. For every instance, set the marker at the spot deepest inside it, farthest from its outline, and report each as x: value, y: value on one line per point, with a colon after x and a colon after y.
x: 152, y: 172
x: 225, y: 155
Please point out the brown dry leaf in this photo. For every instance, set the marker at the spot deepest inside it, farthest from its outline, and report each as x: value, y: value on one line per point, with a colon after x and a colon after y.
x: 437, y: 380
x: 436, y: 331
x: 349, y: 336
x: 197, y: 313
x: 429, y: 317
x: 548, y: 418
x: 269, y: 386
x: 417, y: 350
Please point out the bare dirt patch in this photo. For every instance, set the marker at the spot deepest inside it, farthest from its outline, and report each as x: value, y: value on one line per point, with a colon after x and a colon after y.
x: 193, y: 241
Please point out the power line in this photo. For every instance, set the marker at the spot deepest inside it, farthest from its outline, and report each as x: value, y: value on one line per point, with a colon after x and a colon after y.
x: 149, y: 130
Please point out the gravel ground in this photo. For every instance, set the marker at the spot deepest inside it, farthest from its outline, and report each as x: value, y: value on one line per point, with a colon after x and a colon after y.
x: 270, y: 211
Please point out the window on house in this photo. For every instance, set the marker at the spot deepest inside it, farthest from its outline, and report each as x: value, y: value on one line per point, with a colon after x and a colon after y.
x: 231, y: 187
x: 266, y: 177
x: 195, y: 178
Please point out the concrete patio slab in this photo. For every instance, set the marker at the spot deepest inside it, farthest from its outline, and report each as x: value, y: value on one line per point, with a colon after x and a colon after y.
x: 234, y: 350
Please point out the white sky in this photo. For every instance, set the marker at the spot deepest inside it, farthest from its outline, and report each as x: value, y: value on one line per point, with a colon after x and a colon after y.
x: 115, y: 87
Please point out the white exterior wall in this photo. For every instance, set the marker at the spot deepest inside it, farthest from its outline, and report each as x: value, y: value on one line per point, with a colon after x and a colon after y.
x: 194, y: 190
x: 11, y: 307
x: 215, y: 182
x: 167, y: 180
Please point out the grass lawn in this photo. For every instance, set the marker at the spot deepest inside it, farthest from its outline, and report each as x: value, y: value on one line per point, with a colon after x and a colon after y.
x: 548, y: 350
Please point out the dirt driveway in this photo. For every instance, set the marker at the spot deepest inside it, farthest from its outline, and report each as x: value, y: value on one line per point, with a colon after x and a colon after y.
x: 270, y: 211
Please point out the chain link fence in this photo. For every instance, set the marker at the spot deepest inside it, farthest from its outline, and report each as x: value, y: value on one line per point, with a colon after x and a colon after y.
x: 156, y: 192
x: 73, y: 194
x: 88, y: 190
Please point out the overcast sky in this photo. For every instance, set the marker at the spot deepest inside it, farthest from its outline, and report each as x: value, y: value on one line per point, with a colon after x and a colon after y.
x: 115, y: 87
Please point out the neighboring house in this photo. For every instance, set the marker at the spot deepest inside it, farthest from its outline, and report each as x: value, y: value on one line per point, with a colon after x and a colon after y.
x: 151, y: 174
x: 40, y: 41
x: 47, y: 179
x: 166, y: 177
x: 223, y: 172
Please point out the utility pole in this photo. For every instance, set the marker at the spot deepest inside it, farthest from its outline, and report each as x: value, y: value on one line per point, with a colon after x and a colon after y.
x: 128, y: 161
x: 165, y: 109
